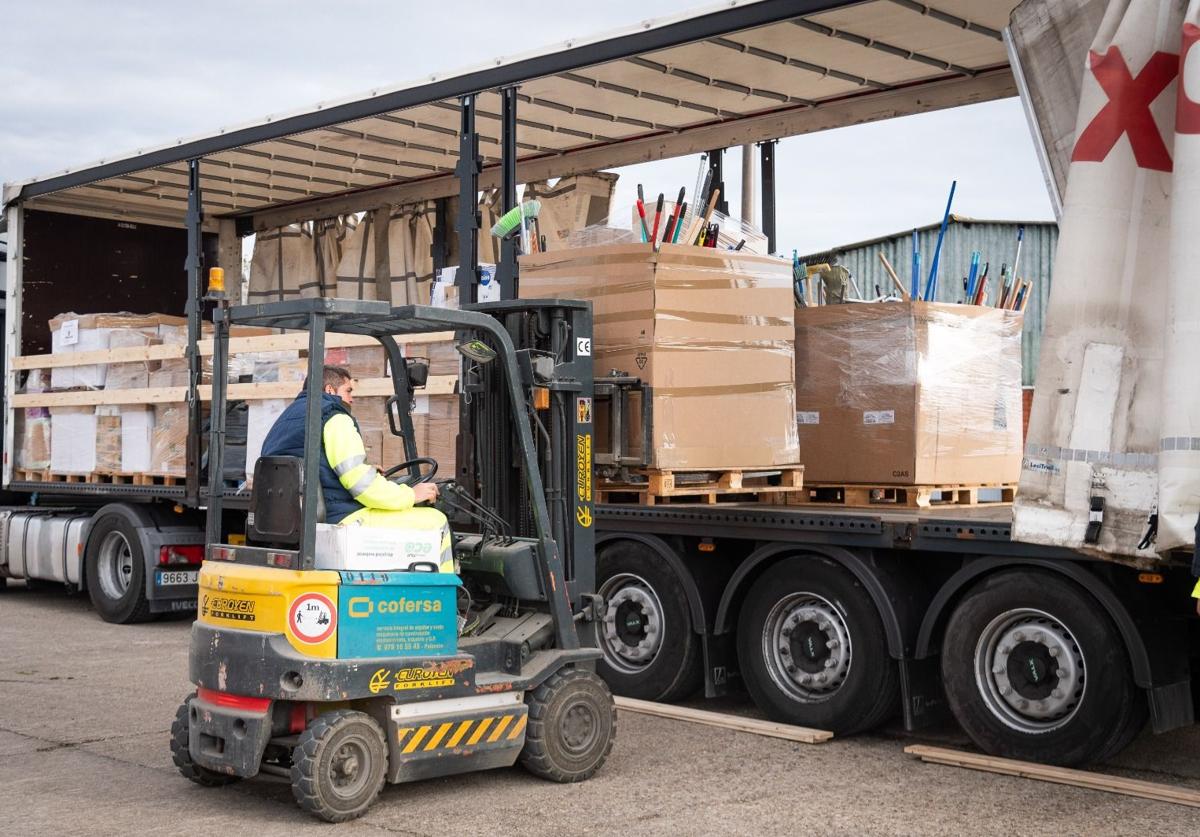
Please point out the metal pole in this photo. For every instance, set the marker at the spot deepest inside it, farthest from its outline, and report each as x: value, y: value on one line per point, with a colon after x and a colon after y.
x: 716, y: 164
x: 468, y: 169
x: 194, y: 265
x: 312, y: 438
x: 748, y: 185
x: 507, y: 273
x: 216, y: 438
x: 439, y: 250
x: 767, y: 166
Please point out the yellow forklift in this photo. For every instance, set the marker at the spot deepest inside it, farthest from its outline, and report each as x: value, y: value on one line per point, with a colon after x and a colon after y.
x: 321, y: 656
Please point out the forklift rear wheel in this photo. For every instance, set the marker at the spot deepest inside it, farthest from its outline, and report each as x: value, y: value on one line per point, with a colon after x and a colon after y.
x: 181, y: 753
x: 572, y: 727
x: 812, y: 648
x: 339, y: 765
x: 116, y: 571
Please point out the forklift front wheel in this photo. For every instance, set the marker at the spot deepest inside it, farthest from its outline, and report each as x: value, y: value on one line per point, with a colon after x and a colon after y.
x: 181, y: 753
x: 339, y: 765
x: 572, y: 727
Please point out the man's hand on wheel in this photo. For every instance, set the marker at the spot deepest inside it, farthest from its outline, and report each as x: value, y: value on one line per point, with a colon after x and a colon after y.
x: 426, y: 492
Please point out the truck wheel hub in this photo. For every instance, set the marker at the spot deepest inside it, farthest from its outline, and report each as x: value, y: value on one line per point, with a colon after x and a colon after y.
x: 632, y: 630
x: 1030, y: 670
x: 806, y: 646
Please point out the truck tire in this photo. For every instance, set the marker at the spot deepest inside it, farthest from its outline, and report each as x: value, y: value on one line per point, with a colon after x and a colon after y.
x: 812, y: 648
x: 181, y: 753
x: 650, y: 649
x: 339, y: 765
x: 1035, y: 669
x: 115, y: 569
x: 572, y: 727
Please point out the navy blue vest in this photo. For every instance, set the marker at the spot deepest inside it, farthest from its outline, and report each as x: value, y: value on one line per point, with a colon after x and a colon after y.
x: 286, y: 438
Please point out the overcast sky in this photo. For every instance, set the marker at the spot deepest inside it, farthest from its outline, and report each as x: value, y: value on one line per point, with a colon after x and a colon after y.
x: 80, y: 80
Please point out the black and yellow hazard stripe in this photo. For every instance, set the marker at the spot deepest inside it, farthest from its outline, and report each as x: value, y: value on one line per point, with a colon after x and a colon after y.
x: 475, y: 732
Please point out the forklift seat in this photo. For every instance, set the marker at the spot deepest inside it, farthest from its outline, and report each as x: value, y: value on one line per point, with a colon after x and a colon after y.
x: 277, y: 501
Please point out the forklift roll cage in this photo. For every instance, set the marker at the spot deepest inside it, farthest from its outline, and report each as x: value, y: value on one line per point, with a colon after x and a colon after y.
x: 379, y: 320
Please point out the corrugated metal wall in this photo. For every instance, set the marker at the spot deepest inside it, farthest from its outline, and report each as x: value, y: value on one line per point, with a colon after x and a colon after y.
x: 997, y: 243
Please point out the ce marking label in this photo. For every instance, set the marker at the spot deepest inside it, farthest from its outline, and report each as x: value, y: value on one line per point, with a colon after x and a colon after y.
x: 583, y: 346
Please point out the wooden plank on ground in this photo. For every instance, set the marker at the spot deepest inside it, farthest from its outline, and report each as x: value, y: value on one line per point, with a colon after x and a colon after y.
x: 804, y: 735
x: 1057, y: 775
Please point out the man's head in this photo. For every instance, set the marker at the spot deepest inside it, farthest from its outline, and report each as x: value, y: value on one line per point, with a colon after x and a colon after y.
x: 338, y: 381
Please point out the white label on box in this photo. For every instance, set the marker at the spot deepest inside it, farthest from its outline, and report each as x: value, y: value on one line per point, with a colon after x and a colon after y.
x: 809, y: 417
x: 879, y: 416
x: 421, y: 405
x: 69, y: 332
x: 583, y: 346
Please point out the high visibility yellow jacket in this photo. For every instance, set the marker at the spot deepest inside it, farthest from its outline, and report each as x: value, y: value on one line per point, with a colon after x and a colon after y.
x: 347, y: 457
x: 1196, y: 592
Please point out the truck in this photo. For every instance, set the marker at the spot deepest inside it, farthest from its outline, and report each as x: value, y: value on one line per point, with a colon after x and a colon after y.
x: 829, y: 617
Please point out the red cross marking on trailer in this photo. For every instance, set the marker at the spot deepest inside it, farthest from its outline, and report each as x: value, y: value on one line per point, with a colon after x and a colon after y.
x: 1127, y: 111
x: 1187, y: 103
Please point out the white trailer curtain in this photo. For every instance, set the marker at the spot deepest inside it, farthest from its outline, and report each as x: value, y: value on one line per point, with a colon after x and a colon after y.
x: 296, y: 261
x: 409, y: 238
x: 1112, y: 459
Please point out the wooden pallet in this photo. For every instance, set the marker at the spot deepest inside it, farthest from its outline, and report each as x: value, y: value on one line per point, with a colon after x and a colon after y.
x: 765, y: 485
x: 99, y: 478
x: 902, y: 496
x: 788, y: 732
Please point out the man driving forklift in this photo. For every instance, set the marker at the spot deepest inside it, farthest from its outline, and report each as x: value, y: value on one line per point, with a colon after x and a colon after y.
x: 353, y: 489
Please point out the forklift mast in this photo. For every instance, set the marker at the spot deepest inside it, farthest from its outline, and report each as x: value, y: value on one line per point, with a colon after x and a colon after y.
x: 553, y: 341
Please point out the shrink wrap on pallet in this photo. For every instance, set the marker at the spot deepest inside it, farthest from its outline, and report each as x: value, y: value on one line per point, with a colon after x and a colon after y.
x: 71, y: 333
x: 137, y: 439
x: 709, y: 330
x: 168, y: 450
x: 72, y: 440
x: 909, y: 393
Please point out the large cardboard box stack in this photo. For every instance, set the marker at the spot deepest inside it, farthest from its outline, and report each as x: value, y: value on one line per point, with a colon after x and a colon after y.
x: 71, y: 333
x: 909, y: 393
x: 710, y: 330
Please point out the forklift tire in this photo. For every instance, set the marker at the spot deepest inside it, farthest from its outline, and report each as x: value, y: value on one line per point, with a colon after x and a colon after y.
x: 115, y: 569
x: 1035, y: 670
x: 182, y: 756
x: 812, y: 648
x: 651, y: 650
x: 572, y: 727
x: 339, y: 765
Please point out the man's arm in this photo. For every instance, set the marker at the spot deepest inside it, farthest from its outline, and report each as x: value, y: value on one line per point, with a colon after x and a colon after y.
x: 348, y: 458
x: 1196, y: 596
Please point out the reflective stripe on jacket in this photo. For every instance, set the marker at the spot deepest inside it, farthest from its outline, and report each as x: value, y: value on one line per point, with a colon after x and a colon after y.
x: 347, y: 456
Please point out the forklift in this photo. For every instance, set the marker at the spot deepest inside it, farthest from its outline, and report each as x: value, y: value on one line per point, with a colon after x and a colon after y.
x: 343, y: 679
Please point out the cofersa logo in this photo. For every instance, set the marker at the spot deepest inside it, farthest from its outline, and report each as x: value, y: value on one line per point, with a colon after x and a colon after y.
x: 361, y: 607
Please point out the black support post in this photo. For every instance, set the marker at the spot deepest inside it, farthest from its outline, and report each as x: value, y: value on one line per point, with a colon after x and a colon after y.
x: 216, y: 437
x: 716, y: 165
x: 195, y: 267
x: 313, y: 425
x: 507, y: 274
x: 468, y: 169
x: 767, y: 168
x: 439, y: 250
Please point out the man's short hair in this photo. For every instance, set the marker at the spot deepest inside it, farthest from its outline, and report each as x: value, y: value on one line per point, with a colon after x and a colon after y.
x: 335, y: 376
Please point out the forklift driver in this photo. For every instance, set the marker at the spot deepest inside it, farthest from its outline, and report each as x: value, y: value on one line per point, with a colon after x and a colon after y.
x: 353, y: 490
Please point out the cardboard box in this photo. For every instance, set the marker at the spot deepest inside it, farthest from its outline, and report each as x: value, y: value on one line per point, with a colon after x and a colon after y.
x: 108, y: 439
x: 137, y: 439
x: 168, y: 449
x: 72, y: 440
x: 33, y: 431
x: 262, y: 416
x: 375, y: 549
x: 710, y: 330
x: 71, y: 333
x: 909, y: 394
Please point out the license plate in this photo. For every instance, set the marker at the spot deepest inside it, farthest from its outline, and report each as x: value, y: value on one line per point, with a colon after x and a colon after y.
x: 172, y: 577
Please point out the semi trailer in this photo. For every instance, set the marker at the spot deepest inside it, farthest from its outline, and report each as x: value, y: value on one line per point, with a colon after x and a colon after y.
x: 829, y: 617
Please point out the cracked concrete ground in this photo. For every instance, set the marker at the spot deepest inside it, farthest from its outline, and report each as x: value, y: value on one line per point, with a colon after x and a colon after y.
x: 85, y: 707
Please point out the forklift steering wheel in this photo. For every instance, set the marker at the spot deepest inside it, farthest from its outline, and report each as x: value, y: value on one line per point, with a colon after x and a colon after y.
x: 426, y: 476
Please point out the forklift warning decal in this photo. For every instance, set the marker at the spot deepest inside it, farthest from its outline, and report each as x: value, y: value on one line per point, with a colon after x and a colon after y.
x: 583, y: 478
x: 312, y: 618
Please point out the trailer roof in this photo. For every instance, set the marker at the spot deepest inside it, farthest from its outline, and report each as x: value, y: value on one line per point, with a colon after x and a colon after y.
x: 744, y: 71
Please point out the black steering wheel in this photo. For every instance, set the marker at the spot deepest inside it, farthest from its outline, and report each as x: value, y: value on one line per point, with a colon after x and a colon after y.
x: 425, y: 476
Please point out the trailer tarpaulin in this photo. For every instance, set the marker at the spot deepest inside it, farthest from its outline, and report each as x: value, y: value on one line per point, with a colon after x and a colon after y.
x: 296, y: 261
x: 410, y: 261
x: 1112, y: 461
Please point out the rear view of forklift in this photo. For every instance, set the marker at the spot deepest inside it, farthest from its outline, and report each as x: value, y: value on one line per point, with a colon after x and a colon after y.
x: 316, y: 659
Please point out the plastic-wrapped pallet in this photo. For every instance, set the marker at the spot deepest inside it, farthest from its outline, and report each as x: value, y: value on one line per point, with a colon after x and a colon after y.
x: 168, y: 451
x: 72, y: 440
x: 132, y: 374
x: 137, y: 439
x: 72, y: 333
x: 33, y: 428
